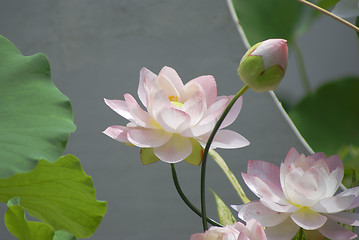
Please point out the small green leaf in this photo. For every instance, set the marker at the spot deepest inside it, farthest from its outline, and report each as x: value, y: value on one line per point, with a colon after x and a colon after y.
x: 22, y: 229
x: 261, y: 20
x: 36, y: 118
x: 58, y: 193
x: 328, y: 118
x: 63, y: 235
x: 224, y: 213
x: 195, y: 158
x: 147, y: 156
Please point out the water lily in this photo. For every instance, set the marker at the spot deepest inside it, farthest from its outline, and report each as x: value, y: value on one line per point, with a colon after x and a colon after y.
x: 300, y: 194
x: 263, y: 66
x: 178, y: 120
x: 252, y: 231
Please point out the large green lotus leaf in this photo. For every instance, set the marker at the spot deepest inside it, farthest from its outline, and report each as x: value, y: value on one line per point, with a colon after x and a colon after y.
x: 22, y: 229
x: 63, y: 235
x: 35, y: 117
x: 59, y: 194
x: 328, y: 118
x: 263, y: 19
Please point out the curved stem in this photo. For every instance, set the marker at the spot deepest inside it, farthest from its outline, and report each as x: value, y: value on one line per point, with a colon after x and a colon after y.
x: 301, y: 67
x: 222, y: 164
x: 329, y: 14
x: 186, y: 200
x: 205, y: 154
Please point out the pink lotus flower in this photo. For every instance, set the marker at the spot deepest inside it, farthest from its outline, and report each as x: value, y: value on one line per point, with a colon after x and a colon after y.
x: 179, y: 118
x: 238, y: 231
x: 300, y: 194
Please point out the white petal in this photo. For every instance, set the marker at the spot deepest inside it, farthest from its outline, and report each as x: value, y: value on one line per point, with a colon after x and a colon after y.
x: 288, y: 208
x: 226, y: 139
x: 175, y: 150
x: 146, y: 79
x: 118, y: 133
x: 147, y: 138
x: 332, y: 230
x: 308, y: 219
x: 169, y: 82
x: 233, y: 113
x: 284, y: 231
x: 209, y: 86
x: 349, y: 218
x: 173, y: 120
x: 265, y: 216
x: 140, y: 117
x: 195, y: 108
x: 120, y: 107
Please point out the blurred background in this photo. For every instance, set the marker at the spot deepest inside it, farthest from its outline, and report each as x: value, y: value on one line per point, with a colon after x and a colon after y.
x: 96, y: 50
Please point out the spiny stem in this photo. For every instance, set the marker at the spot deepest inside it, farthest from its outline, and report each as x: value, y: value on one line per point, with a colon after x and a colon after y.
x: 301, y: 67
x: 186, y: 200
x: 329, y: 14
x: 205, y: 154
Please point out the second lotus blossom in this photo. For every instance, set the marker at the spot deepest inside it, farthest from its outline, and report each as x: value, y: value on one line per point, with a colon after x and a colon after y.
x: 178, y: 120
x: 300, y: 194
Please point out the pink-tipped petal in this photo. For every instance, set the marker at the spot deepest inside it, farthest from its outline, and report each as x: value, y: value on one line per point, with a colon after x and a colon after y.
x: 209, y: 86
x: 349, y: 218
x: 226, y: 139
x: 233, y: 113
x: 265, y: 216
x: 345, y: 200
x: 147, y: 138
x: 264, y: 189
x: 176, y: 149
x: 273, y: 51
x: 173, y: 120
x: 146, y: 79
x: 120, y: 107
x: 197, y: 236
x: 284, y: 231
x: 319, y: 155
x: 284, y: 208
x: 195, y: 108
x: 332, y: 230
x: 334, y: 162
x: 118, y: 133
x: 140, y: 117
x: 169, y: 82
x: 308, y: 219
x: 291, y: 157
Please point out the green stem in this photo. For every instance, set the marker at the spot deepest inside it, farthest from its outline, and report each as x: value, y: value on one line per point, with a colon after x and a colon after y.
x: 301, y: 67
x: 222, y: 164
x: 300, y: 237
x: 329, y: 14
x: 205, y: 154
x: 186, y: 200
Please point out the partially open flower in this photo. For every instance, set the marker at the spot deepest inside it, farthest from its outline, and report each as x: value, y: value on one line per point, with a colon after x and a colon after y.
x: 300, y: 194
x: 252, y: 231
x: 263, y: 66
x: 179, y: 118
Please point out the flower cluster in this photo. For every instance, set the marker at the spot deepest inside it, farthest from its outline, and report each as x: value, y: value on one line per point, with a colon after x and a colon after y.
x: 179, y: 118
x: 300, y: 194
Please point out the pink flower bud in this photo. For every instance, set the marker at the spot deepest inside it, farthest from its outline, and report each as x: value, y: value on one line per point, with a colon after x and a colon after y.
x: 263, y: 66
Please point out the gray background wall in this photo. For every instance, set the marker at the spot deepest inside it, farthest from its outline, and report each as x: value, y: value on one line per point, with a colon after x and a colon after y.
x: 96, y: 49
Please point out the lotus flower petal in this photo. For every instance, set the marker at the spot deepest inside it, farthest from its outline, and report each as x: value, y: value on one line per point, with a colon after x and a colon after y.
x: 349, y: 218
x: 118, y: 133
x: 265, y: 216
x: 284, y: 231
x: 146, y: 79
x: 209, y: 86
x: 175, y: 150
x: 332, y: 230
x: 148, y: 138
x: 307, y: 219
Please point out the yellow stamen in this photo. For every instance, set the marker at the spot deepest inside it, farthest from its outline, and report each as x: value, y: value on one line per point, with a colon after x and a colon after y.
x: 173, y: 98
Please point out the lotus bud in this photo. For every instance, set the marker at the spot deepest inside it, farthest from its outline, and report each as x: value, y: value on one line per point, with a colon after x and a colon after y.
x: 263, y: 66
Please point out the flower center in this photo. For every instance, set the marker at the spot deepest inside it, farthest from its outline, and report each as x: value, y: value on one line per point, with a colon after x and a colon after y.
x: 174, y: 101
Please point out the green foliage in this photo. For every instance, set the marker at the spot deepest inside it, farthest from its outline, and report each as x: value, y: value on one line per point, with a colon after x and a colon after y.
x: 225, y: 215
x: 36, y: 118
x: 350, y: 157
x: 22, y: 229
x: 261, y: 20
x: 59, y: 194
x: 328, y: 118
